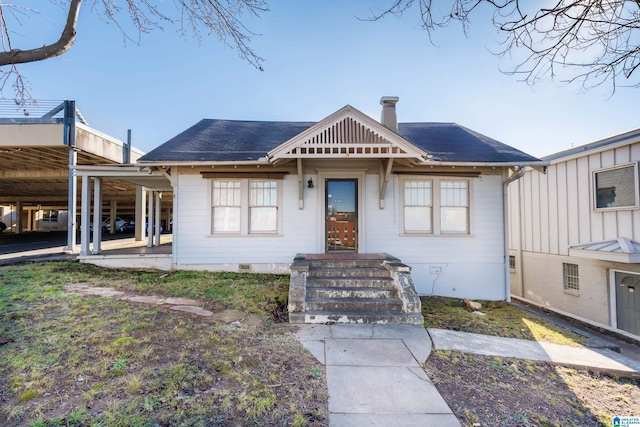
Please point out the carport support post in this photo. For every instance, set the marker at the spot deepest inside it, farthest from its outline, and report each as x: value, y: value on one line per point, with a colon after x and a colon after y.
x: 18, y: 217
x: 72, y: 201
x: 85, y: 211
x: 158, y: 197
x: 97, y: 215
x: 112, y: 217
x: 140, y: 213
x: 150, y: 220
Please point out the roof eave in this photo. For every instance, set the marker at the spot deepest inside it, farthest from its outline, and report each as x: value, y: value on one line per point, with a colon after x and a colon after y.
x: 536, y: 164
x: 261, y: 162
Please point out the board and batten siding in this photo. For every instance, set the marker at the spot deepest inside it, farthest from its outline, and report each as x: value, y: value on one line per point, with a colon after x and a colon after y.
x: 553, y: 211
x: 470, y: 266
x: 556, y: 208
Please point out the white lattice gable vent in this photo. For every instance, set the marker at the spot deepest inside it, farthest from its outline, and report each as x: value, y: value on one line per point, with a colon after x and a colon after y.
x: 347, y: 133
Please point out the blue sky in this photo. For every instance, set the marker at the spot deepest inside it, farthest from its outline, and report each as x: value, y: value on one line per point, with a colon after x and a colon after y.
x: 318, y: 58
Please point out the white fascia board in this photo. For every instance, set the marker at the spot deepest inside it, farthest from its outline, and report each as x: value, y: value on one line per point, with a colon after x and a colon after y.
x: 485, y: 164
x: 204, y: 163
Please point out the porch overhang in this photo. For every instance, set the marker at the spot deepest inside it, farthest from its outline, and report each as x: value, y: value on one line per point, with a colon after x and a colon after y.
x: 621, y: 250
x: 151, y: 178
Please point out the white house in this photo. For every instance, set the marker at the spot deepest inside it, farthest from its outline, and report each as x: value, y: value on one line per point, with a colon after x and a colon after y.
x: 575, y: 233
x: 250, y: 196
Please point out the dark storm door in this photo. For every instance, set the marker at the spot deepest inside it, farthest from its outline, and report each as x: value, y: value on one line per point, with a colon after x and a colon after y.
x: 341, y: 215
x: 628, y: 302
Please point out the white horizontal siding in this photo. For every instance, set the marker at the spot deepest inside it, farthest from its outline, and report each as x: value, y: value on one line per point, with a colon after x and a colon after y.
x: 472, y: 266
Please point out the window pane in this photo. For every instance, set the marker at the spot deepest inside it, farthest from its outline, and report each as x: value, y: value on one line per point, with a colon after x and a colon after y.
x: 263, y: 193
x: 226, y: 193
x: 453, y: 220
x: 264, y: 219
x: 226, y: 220
x: 453, y: 193
x: 417, y: 219
x: 417, y: 193
x: 571, y: 278
x: 615, y: 188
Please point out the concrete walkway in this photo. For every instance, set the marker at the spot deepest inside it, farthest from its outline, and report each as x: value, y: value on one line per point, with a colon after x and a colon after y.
x: 375, y: 375
x: 594, y: 359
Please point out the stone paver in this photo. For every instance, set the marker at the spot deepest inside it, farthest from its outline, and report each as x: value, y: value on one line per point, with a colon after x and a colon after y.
x: 146, y: 299
x: 191, y: 309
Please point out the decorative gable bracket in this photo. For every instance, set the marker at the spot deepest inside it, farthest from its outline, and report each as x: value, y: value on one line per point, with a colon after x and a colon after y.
x: 347, y: 133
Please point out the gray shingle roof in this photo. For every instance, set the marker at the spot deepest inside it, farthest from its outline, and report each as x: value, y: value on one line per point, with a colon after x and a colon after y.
x: 230, y: 140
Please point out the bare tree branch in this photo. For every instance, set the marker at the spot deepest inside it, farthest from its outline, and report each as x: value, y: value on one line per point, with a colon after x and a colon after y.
x: 587, y: 41
x: 67, y: 39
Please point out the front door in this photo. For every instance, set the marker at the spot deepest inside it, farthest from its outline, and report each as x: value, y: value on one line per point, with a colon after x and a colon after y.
x: 341, y: 215
x: 628, y: 302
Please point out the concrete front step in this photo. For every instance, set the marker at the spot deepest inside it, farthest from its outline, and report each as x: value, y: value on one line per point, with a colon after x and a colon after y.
x: 351, y: 292
x: 348, y: 272
x: 347, y: 263
x: 320, y: 317
x: 351, y: 282
x: 340, y: 305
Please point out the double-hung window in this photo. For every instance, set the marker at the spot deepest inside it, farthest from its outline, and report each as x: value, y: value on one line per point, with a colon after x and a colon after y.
x: 417, y: 206
x: 436, y: 206
x: 454, y: 207
x: 244, y: 206
x: 226, y: 207
x: 263, y: 206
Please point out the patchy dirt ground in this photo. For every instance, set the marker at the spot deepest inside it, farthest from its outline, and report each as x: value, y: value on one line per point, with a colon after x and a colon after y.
x: 491, y: 391
x: 69, y: 359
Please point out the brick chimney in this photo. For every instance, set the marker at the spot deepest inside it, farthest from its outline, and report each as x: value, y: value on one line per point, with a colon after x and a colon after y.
x: 389, y: 118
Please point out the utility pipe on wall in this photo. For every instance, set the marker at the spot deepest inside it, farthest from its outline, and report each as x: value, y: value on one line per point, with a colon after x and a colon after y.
x: 505, y: 221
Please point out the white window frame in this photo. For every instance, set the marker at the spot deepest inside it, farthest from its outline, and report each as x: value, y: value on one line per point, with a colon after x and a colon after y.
x: 436, y: 205
x: 571, y: 278
x: 594, y: 189
x: 245, y: 208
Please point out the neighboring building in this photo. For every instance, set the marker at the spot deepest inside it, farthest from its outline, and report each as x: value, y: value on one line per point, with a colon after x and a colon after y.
x: 249, y: 196
x: 575, y: 231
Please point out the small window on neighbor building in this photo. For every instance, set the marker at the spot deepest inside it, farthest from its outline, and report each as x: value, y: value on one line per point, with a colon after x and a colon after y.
x: 616, y: 187
x: 571, y: 281
x: 512, y: 262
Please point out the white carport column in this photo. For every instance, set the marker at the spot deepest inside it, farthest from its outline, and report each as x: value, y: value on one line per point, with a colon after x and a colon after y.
x: 97, y: 215
x: 158, y: 197
x: 18, y: 217
x: 150, y: 220
x: 140, y: 213
x: 72, y: 201
x: 85, y: 211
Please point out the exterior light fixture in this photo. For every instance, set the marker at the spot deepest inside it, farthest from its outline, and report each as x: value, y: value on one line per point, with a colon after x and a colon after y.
x: 310, y: 183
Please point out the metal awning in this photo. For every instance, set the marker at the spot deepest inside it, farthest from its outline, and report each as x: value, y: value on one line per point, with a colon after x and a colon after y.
x: 618, y: 250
